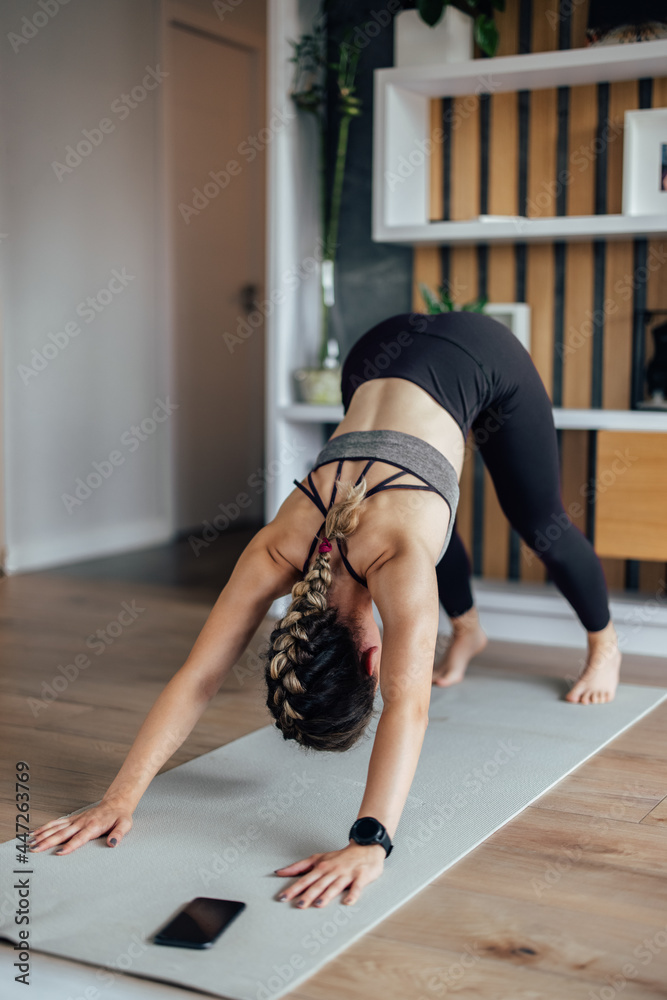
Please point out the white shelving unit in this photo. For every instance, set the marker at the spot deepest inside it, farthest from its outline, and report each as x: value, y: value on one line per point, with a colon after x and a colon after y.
x: 401, y: 137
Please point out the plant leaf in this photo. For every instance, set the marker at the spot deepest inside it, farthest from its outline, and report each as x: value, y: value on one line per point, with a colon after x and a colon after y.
x: 431, y: 11
x: 446, y: 299
x: 429, y: 298
x: 476, y: 306
x: 486, y: 34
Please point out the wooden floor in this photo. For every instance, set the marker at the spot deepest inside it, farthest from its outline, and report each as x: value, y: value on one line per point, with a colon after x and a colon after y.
x: 568, y: 900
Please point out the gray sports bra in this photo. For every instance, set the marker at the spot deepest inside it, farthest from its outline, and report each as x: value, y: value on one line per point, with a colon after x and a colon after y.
x: 408, y: 453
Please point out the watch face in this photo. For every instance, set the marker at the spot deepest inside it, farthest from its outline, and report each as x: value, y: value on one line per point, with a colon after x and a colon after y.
x: 367, y: 828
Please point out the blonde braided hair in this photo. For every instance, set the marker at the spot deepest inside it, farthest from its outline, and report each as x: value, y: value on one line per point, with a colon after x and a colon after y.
x: 302, y: 636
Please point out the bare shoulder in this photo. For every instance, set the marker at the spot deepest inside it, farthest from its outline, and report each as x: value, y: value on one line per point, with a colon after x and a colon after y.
x: 292, y: 530
x: 403, y: 584
x: 262, y: 559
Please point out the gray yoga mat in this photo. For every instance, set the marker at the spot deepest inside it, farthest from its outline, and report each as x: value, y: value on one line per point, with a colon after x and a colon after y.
x: 220, y: 824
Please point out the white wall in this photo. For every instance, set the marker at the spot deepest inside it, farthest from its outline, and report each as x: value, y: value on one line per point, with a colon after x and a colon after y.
x: 65, y: 239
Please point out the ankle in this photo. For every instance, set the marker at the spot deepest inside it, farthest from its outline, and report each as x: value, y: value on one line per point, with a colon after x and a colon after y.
x: 605, y: 638
x: 467, y: 622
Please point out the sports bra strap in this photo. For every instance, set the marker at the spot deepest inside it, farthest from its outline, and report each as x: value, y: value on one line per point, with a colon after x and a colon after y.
x: 348, y: 567
x: 314, y: 496
x: 378, y: 488
x: 383, y: 485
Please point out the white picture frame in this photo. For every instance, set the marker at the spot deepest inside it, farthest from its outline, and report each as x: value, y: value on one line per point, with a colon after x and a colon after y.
x: 515, y: 315
x: 645, y: 162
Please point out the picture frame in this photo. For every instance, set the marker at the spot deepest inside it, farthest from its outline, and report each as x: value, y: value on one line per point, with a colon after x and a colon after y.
x: 645, y: 162
x: 515, y: 315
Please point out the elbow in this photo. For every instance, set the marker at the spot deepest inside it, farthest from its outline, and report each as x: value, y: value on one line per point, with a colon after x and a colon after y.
x: 412, y: 713
x: 418, y: 712
x: 195, y: 686
x: 207, y: 692
x: 421, y: 718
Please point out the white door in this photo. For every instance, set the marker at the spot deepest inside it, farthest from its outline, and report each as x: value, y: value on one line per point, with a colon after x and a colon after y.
x: 218, y: 240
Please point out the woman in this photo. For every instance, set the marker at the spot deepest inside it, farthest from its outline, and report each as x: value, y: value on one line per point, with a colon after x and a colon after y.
x: 413, y: 387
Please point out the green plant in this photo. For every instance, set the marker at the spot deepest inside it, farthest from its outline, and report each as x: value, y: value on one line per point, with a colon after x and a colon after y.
x: 485, y: 29
x: 309, y: 93
x: 443, y: 302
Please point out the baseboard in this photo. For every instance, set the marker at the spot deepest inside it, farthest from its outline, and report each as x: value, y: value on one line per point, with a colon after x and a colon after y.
x: 94, y: 543
x: 540, y: 615
x: 518, y: 612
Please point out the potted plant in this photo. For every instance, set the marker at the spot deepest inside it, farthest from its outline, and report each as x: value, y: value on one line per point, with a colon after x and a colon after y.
x: 432, y: 31
x: 309, y: 93
x: 443, y: 302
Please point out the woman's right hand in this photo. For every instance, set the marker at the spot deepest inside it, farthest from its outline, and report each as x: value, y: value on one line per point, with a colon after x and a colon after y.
x: 74, y: 831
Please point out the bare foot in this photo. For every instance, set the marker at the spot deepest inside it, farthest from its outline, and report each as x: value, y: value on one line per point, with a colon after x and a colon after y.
x: 599, y: 679
x: 467, y: 639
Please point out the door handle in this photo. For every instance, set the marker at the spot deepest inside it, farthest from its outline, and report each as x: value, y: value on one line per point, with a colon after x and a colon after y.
x: 248, y: 297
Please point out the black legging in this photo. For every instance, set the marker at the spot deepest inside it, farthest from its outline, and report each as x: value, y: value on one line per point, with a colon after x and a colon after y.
x: 521, y: 454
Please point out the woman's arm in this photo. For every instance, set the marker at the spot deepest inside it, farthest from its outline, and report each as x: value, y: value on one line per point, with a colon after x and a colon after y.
x: 405, y: 592
x: 260, y: 576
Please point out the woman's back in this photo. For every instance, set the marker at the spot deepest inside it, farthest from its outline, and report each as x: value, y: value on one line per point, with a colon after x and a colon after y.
x: 381, y: 404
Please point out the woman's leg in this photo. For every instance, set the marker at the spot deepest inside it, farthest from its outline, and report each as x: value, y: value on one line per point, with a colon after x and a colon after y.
x: 453, y: 573
x: 467, y: 638
x: 521, y: 454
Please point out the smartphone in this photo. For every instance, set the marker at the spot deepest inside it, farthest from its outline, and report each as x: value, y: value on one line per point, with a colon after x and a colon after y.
x: 200, y: 923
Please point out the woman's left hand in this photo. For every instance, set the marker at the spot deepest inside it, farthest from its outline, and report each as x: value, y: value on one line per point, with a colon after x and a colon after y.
x: 328, y: 874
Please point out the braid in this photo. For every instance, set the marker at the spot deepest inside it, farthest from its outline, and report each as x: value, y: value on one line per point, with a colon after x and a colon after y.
x: 343, y: 516
x: 308, y: 614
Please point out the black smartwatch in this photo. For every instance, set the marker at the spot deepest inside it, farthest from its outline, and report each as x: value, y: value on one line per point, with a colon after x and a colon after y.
x: 368, y: 830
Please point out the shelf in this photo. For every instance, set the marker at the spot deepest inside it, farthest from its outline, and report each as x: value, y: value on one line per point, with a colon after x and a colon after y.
x: 311, y: 414
x: 402, y: 142
x: 572, y: 228
x: 612, y: 420
x: 532, y: 71
x: 565, y: 419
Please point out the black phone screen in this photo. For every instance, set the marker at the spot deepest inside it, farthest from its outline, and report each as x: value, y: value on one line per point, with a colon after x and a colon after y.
x: 199, y: 923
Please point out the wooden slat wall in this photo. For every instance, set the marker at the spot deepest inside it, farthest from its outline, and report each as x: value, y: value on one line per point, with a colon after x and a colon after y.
x: 558, y: 281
